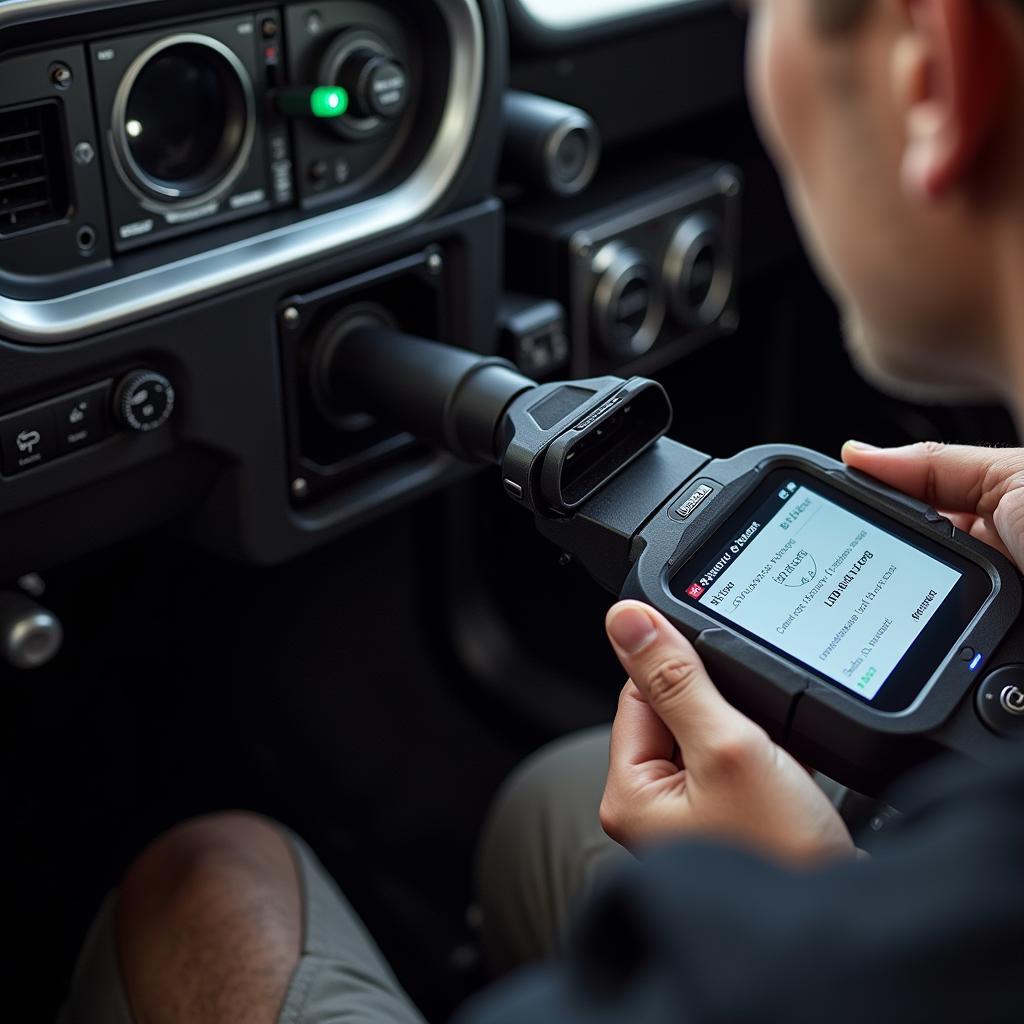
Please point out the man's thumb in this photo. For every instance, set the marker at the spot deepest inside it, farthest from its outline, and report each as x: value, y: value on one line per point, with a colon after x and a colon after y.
x: 669, y: 673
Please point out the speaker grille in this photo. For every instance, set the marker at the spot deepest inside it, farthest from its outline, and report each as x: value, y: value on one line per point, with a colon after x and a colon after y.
x: 33, y: 168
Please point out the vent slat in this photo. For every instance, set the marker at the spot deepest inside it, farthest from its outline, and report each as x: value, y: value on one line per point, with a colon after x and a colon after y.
x: 22, y: 183
x: 14, y: 161
x: 35, y: 133
x: 14, y: 211
x: 33, y: 167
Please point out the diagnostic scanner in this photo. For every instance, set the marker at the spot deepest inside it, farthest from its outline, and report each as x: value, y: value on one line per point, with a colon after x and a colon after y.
x: 856, y: 625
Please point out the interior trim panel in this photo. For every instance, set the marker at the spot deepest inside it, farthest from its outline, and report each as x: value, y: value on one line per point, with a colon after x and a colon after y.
x: 79, y: 314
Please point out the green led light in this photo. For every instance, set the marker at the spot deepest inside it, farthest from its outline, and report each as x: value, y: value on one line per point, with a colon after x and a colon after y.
x: 328, y: 101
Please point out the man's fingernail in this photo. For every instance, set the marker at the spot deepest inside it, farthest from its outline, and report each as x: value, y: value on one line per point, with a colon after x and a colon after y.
x: 860, y: 446
x: 632, y: 629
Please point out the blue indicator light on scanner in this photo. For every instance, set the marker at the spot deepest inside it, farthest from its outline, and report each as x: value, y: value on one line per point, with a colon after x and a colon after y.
x: 976, y: 661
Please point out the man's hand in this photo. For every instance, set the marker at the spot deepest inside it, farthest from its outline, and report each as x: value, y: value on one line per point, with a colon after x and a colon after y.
x: 980, y: 489
x: 685, y: 762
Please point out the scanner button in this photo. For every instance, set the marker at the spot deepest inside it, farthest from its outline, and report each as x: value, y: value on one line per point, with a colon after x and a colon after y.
x: 967, y: 655
x: 1001, y: 701
x: 1012, y: 700
x: 694, y: 499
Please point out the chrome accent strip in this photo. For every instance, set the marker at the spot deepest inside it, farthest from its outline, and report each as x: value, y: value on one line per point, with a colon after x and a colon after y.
x: 568, y: 16
x: 69, y: 317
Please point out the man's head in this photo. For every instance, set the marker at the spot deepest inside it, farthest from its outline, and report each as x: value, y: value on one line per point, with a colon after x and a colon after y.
x: 898, y: 126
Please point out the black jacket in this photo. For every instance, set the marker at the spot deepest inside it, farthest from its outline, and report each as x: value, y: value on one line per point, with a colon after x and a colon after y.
x: 930, y: 929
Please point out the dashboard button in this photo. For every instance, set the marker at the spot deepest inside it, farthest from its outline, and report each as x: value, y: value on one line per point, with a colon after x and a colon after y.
x: 379, y: 88
x: 1000, y: 701
x: 27, y: 439
x: 79, y: 419
x: 383, y: 88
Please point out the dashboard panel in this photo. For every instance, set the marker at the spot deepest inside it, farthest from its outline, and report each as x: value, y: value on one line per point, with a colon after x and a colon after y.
x: 243, y: 138
x: 172, y: 177
x: 197, y: 201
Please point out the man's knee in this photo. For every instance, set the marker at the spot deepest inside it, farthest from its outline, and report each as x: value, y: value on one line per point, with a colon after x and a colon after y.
x: 209, y: 922
x: 565, y: 777
x: 543, y: 846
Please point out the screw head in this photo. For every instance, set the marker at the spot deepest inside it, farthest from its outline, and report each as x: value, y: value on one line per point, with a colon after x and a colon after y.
x: 435, y: 263
x: 564, y: 559
x: 60, y: 75
x: 84, y: 153
x: 300, y: 487
x: 291, y: 316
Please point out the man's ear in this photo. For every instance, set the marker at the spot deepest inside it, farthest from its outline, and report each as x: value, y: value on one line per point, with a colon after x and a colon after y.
x: 951, y: 74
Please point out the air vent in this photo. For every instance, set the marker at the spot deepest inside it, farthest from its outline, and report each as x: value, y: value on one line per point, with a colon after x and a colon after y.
x: 33, y: 168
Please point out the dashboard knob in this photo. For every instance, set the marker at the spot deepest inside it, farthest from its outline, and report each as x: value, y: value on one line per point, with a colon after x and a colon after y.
x: 377, y: 84
x: 625, y: 305
x: 698, y: 270
x: 144, y: 401
x: 549, y: 146
x: 375, y: 78
x: 30, y: 636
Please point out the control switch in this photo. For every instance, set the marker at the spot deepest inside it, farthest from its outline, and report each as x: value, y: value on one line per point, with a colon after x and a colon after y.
x: 27, y: 439
x: 79, y: 419
x: 1000, y: 701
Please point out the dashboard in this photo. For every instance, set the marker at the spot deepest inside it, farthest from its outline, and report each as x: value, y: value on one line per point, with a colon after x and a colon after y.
x: 197, y: 201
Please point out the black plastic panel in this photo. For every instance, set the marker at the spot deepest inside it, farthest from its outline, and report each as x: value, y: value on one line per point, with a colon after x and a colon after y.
x: 332, y: 443
x: 137, y: 217
x: 333, y: 163
x: 27, y: 48
x: 76, y: 240
x: 225, y: 361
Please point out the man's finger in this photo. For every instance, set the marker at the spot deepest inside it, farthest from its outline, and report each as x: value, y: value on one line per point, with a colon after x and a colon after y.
x: 639, y: 736
x: 670, y: 675
x: 953, y: 477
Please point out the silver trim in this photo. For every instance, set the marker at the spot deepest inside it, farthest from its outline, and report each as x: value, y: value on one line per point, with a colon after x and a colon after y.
x: 68, y: 317
x: 568, y: 16
x: 133, y: 176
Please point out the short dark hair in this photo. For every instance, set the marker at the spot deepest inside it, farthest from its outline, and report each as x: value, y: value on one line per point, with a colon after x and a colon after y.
x: 839, y: 15
x: 833, y: 16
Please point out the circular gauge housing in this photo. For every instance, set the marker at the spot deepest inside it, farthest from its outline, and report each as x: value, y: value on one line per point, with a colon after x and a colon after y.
x: 183, y: 121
